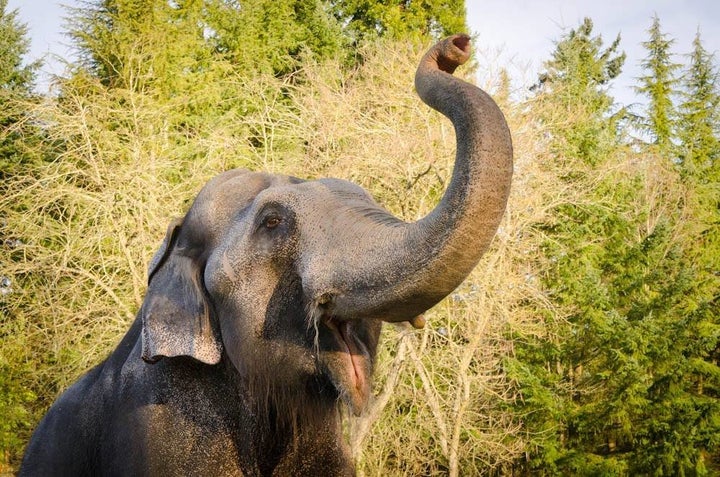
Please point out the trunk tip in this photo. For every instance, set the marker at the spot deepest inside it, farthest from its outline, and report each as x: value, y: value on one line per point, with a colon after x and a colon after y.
x: 462, y: 42
x: 453, y: 52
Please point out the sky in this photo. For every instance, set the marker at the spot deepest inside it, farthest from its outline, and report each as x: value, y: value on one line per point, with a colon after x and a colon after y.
x: 521, y: 34
x: 516, y: 34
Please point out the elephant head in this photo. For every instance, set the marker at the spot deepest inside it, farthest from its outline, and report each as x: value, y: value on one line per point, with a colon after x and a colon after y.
x: 289, y: 280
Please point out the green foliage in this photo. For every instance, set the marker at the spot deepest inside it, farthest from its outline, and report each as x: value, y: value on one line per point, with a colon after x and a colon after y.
x: 579, y: 61
x: 617, y: 383
x: 575, y: 83
x: 699, y: 150
x: 699, y: 122
x: 173, y: 45
x: 140, y: 45
x: 272, y: 36
x: 658, y: 85
x: 15, y: 399
x: 16, y: 82
x: 629, y: 349
x: 14, y: 45
x: 368, y: 19
x: 699, y: 163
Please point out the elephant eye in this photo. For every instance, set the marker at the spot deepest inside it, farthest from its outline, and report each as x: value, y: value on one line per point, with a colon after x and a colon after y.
x: 272, y: 221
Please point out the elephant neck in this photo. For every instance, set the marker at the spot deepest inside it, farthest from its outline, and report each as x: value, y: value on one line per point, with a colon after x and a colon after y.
x: 303, y: 447
x: 294, y: 434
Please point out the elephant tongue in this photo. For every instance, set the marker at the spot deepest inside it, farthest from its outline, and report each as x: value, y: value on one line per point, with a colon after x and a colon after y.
x: 358, y: 375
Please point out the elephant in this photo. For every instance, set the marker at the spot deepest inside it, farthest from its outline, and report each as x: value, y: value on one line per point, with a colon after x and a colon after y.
x: 263, y: 311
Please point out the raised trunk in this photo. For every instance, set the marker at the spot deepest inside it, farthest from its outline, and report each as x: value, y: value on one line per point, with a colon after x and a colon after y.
x: 422, y: 262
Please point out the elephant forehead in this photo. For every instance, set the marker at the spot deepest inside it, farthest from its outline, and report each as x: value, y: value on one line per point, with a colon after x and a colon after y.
x: 314, y: 202
x: 341, y: 189
x: 224, y: 196
x: 327, y: 199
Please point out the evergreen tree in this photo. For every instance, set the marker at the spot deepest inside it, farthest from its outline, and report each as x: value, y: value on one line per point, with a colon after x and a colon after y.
x: 400, y: 18
x: 14, y: 45
x: 623, y: 382
x: 699, y: 122
x: 16, y: 83
x: 577, y: 117
x: 270, y: 36
x: 140, y: 45
x: 658, y: 86
x: 175, y: 45
x: 699, y: 156
x: 576, y: 81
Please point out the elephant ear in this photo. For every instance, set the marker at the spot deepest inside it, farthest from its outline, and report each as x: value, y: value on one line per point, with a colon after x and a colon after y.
x: 176, y: 318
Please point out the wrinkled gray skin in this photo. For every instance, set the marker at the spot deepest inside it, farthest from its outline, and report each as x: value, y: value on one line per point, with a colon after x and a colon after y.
x: 264, y: 308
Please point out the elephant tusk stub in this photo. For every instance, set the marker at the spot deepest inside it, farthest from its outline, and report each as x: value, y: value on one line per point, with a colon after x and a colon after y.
x: 418, y: 322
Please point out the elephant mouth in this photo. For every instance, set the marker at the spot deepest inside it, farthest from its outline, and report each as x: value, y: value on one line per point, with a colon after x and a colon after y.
x: 349, y: 365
